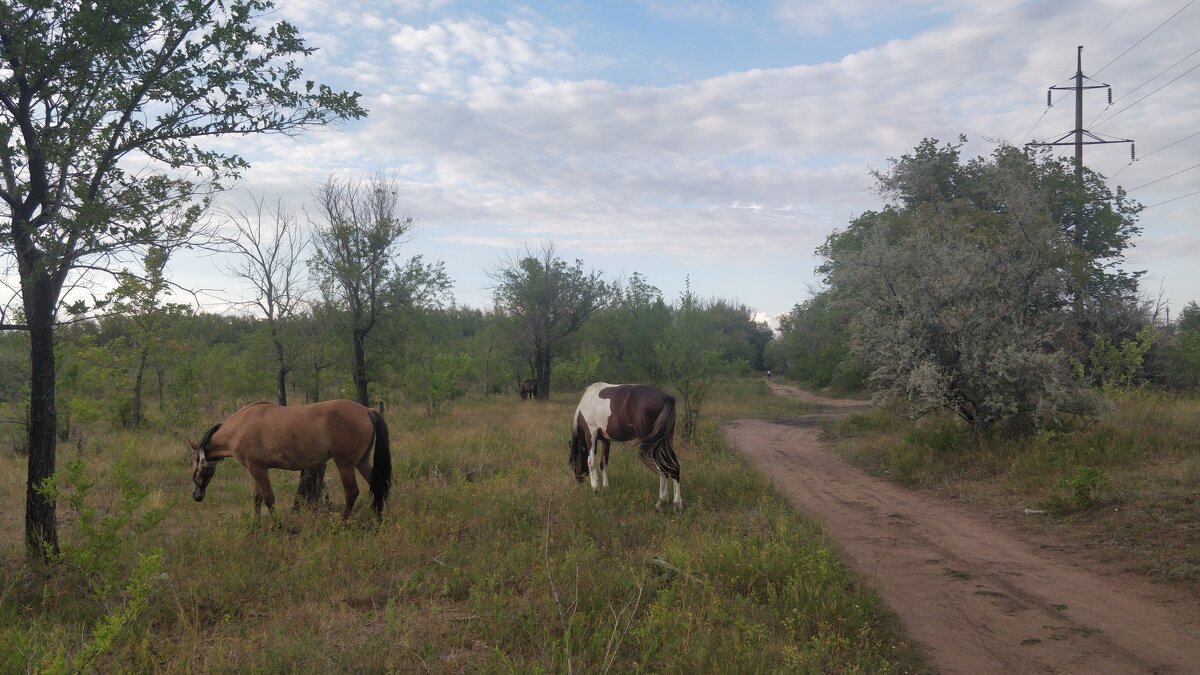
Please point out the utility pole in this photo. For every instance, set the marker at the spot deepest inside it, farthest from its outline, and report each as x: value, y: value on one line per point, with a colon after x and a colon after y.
x: 1080, y: 133
x: 1082, y: 137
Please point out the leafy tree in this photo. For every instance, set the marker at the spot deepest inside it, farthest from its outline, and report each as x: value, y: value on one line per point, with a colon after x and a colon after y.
x: 688, y: 358
x: 550, y: 300
x: 626, y: 331
x: 354, y: 261
x: 88, y: 90
x: 1189, y: 318
x: 960, y: 296
x: 814, y: 345
x: 140, y: 299
x: 270, y: 251
x: 356, y: 242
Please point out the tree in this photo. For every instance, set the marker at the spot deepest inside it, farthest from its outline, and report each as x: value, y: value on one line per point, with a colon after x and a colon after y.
x: 356, y: 242
x: 963, y: 301
x: 270, y: 249
x: 550, y: 300
x: 627, y: 330
x: 88, y: 90
x: 688, y: 357
x: 139, y: 298
x: 355, y: 245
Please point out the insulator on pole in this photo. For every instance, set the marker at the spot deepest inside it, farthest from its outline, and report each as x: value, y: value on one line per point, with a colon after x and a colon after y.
x: 1048, y: 102
x: 1132, y: 152
x: 1110, y: 95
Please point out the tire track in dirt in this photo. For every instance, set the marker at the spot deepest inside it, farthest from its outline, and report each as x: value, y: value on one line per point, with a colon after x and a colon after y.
x: 978, y: 598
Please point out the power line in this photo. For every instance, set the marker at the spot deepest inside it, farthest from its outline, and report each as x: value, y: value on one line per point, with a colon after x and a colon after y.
x: 1110, y: 23
x: 1173, y: 199
x: 1127, y: 50
x: 1160, y: 73
x: 1191, y: 135
x: 1163, y: 178
x: 1106, y: 119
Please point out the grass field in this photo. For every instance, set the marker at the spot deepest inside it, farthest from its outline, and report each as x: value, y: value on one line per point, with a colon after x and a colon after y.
x: 489, y: 559
x: 1124, y: 488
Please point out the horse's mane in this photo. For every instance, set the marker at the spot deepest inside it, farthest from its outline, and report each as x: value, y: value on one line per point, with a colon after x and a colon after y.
x: 207, y: 437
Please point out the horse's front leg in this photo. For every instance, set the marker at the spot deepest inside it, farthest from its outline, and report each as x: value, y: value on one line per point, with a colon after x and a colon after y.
x: 262, y: 490
x: 592, y: 448
x: 604, y: 464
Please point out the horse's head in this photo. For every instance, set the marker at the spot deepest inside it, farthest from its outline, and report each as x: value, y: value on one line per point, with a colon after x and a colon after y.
x: 202, y: 470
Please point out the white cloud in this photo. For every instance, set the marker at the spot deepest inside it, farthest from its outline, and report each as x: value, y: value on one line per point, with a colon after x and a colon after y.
x: 501, y: 140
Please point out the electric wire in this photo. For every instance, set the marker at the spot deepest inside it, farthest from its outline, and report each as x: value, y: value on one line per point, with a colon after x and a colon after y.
x: 1169, y: 83
x: 1163, y: 178
x: 1173, y: 199
x: 1130, y: 48
x: 1130, y: 92
x: 1191, y: 135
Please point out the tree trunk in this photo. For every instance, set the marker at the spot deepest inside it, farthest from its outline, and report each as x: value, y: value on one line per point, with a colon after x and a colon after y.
x: 542, y: 372
x: 41, y: 530
x: 136, y: 421
x: 360, y: 365
x: 281, y: 374
x: 159, y: 370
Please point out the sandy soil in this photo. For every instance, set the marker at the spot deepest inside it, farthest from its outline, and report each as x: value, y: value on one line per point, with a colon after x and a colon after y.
x: 979, y: 598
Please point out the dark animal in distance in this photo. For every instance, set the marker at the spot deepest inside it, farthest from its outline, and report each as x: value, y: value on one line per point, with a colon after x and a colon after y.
x: 265, y: 436
x: 528, y: 389
x: 626, y: 412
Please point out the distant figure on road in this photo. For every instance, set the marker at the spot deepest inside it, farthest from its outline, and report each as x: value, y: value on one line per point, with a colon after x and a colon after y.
x: 768, y: 374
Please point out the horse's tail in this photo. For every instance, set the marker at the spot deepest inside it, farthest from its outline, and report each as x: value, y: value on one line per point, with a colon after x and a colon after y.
x: 659, y: 446
x: 381, y: 465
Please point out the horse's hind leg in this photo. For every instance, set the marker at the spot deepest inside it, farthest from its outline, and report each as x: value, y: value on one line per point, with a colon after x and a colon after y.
x: 350, y: 486
x: 678, y: 497
x: 662, y: 491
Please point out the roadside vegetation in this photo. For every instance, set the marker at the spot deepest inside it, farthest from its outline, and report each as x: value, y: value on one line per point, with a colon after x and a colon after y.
x: 1124, y: 488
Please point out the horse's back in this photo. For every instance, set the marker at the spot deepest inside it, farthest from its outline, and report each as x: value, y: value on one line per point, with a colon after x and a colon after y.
x: 301, y: 436
x: 623, y: 411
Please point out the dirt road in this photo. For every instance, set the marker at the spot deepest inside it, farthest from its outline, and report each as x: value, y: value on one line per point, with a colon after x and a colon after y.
x: 979, y: 598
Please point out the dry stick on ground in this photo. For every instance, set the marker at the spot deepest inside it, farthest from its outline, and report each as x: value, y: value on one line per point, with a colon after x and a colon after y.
x: 610, y: 650
x: 564, y: 618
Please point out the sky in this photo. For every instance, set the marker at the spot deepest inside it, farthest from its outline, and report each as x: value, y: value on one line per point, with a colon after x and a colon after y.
x: 719, y: 142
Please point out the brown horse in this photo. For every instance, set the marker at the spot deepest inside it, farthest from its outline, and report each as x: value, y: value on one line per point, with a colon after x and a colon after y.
x: 626, y: 412
x: 528, y: 389
x: 266, y: 436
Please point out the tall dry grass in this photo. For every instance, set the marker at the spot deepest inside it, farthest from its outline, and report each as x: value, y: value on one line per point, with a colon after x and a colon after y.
x: 489, y: 558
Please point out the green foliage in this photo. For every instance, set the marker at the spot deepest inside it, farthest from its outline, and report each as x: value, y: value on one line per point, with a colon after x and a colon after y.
x: 438, y: 377
x: 689, y: 360
x: 956, y: 298
x: 96, y: 558
x: 1119, y: 367
x: 1086, y: 485
x: 549, y: 299
x: 814, y: 346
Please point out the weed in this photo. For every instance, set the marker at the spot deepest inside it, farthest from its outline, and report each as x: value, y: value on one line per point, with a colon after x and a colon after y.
x: 1086, y: 485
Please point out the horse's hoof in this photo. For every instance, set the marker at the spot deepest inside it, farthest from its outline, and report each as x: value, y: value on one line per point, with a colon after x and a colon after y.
x: 678, y: 507
x: 659, y: 506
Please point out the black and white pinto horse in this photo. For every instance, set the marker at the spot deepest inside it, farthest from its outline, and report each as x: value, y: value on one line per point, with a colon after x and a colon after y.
x: 626, y: 412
